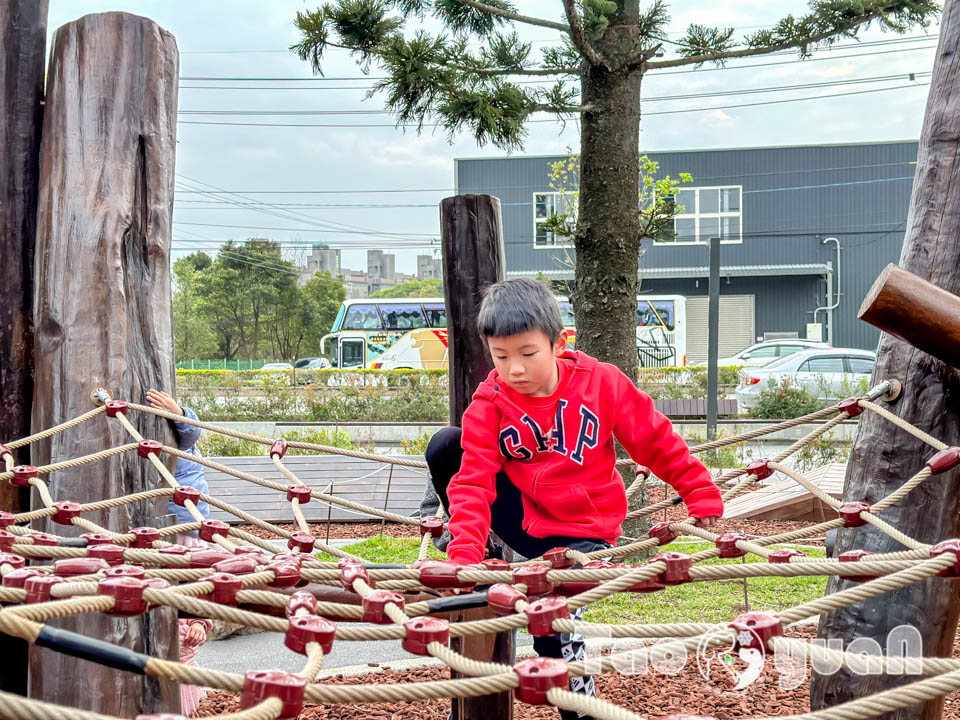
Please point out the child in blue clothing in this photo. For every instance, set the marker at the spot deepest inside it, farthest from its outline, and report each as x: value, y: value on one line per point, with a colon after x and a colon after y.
x: 188, y: 472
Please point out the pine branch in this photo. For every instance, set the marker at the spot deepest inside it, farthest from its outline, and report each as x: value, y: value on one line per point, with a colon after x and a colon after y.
x: 580, y: 37
x: 510, y: 15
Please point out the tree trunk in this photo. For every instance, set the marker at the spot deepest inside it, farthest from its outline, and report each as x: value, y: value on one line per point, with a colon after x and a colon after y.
x: 884, y: 457
x: 23, y: 38
x: 103, y: 310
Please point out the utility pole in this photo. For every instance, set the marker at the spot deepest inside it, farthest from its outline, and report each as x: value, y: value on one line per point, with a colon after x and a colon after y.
x: 713, y: 337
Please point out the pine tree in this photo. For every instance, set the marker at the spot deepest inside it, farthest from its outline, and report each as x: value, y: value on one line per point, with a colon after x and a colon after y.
x: 609, y: 46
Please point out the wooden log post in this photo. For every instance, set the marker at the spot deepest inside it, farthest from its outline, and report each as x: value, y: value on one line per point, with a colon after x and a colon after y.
x: 472, y: 259
x: 103, y: 311
x: 23, y: 40
x: 917, y: 311
x: 883, y: 456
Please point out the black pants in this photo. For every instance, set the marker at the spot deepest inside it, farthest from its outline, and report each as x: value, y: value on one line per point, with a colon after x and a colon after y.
x: 443, y: 456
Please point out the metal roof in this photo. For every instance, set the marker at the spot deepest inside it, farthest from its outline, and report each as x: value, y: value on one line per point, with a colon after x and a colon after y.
x: 698, y: 272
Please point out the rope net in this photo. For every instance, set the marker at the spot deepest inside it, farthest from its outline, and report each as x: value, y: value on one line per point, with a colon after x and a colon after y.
x: 127, y: 574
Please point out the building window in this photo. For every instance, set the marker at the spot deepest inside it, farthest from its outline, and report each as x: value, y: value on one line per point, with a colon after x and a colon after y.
x: 705, y: 213
x: 546, y: 204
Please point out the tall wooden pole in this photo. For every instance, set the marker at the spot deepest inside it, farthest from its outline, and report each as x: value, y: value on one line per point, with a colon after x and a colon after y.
x: 472, y: 259
x: 103, y: 309
x: 23, y: 40
x: 884, y: 457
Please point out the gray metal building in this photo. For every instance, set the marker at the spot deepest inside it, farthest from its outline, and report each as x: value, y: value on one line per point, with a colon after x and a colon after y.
x: 773, y: 207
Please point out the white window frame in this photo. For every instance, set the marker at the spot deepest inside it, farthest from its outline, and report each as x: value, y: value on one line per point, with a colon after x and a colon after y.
x: 547, y: 246
x: 697, y: 217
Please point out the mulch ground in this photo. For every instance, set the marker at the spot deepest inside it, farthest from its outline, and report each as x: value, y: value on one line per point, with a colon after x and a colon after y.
x: 340, y: 531
x: 651, y: 695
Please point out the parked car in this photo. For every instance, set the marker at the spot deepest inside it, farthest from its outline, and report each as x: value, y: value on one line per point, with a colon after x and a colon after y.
x: 312, y: 363
x: 824, y: 373
x: 277, y: 366
x: 769, y: 351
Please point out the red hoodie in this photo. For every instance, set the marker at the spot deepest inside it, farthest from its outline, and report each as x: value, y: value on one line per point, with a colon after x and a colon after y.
x: 559, y: 452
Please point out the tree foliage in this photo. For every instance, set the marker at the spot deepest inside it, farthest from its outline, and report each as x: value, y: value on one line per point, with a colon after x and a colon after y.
x: 431, y: 287
x: 246, y: 303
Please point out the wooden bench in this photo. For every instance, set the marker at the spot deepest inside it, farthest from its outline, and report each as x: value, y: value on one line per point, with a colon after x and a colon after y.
x: 395, y: 488
x: 788, y: 500
x: 695, y: 408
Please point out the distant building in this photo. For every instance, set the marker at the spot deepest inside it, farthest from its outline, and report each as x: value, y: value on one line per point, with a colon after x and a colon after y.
x: 355, y: 283
x: 428, y: 268
x: 321, y: 259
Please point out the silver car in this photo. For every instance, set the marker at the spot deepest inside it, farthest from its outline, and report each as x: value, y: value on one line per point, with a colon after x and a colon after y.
x: 769, y: 351
x: 824, y: 373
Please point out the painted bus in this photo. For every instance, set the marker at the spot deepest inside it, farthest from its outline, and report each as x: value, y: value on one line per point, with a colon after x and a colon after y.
x: 411, y: 333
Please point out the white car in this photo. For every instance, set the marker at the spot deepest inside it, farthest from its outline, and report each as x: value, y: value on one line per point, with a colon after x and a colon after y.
x: 769, y: 351
x: 824, y: 373
x: 277, y: 366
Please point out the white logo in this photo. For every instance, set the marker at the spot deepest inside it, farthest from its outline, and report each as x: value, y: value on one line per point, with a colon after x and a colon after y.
x: 715, y: 652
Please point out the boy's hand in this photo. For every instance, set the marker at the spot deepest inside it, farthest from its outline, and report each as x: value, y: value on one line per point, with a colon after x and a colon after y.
x: 161, y: 401
x: 706, y: 523
x: 197, y: 635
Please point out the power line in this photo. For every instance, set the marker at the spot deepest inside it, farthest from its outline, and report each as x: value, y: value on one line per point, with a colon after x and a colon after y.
x: 316, y: 230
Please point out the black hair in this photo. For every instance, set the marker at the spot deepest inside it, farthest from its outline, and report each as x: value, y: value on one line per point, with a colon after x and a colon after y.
x: 515, y: 306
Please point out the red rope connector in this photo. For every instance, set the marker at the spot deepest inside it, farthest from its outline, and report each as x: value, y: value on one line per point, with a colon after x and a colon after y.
x: 300, y: 601
x: 542, y: 613
x: 182, y: 493
x: 127, y: 593
x: 575, y: 587
x: 423, y: 631
x: 6, y: 519
x: 70, y: 567
x: 557, y: 557
x: 14, y: 561
x: 209, y: 528
x: 946, y: 459
x: 856, y: 556
x: 351, y: 571
x: 301, y: 541
x: 755, y: 629
x: 535, y: 578
x: 22, y: 475
x: 306, y: 629
x: 225, y: 588
x: 678, y: 567
x: 662, y: 532
x: 96, y: 538
x: 644, y: 470
x: 111, y: 554
x: 7, y: 539
x: 43, y: 540
x: 279, y: 448
x: 946, y: 546
x: 850, y: 514
x: 144, y: 537
x: 18, y: 578
x: 651, y: 584
x: 300, y: 493
x: 438, y: 574
x: 432, y: 526
x: 66, y: 512
x: 502, y: 598
x: 760, y: 469
x: 495, y: 564
x: 116, y: 406
x: 851, y: 406
x: 4, y: 450
x: 784, y: 555
x: 38, y: 587
x: 375, y: 603
x: 286, y: 574
x: 134, y: 571
x: 239, y: 564
x: 207, y: 558
x: 727, y: 545
x: 537, y: 676
x: 260, y: 685
x: 145, y: 447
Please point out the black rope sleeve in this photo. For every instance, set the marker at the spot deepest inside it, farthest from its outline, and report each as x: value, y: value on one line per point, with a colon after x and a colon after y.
x: 86, y: 648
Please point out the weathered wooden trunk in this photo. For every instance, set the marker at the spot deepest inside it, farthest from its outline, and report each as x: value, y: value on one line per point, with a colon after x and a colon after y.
x: 883, y: 456
x: 103, y: 307
x: 23, y: 39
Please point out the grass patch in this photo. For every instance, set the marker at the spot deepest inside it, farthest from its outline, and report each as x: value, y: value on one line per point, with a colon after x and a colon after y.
x: 696, y: 602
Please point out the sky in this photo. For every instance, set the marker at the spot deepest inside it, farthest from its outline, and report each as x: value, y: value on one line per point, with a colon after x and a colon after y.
x: 364, y: 187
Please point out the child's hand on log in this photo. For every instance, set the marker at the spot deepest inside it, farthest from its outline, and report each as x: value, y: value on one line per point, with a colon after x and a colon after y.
x: 159, y: 400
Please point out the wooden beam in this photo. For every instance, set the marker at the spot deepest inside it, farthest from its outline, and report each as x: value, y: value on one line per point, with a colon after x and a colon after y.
x: 883, y: 456
x: 23, y: 39
x: 915, y: 310
x: 472, y: 259
x: 104, y: 313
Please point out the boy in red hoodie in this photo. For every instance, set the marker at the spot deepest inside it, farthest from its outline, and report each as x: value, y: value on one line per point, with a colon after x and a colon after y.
x: 535, y: 460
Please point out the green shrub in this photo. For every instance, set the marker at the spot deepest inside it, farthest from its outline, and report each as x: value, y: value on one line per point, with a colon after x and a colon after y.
x: 216, y: 445
x: 784, y: 400
x: 417, y: 446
